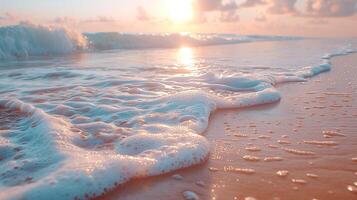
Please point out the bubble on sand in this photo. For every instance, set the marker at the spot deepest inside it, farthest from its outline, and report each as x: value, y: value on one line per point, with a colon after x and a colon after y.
x: 253, y: 149
x: 270, y: 159
x: 240, y: 135
x: 283, y: 142
x: 251, y: 158
x: 250, y: 198
x: 201, y: 183
x: 312, y: 175
x: 239, y: 170
x: 298, y: 152
x: 298, y: 181
x: 264, y: 137
x: 177, y: 177
x: 213, y: 169
x: 321, y: 143
x: 189, y: 195
x: 352, y: 188
x: 333, y: 133
x: 282, y: 173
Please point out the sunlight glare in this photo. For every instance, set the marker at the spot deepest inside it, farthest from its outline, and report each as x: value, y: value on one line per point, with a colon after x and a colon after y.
x: 180, y: 11
x: 185, y: 56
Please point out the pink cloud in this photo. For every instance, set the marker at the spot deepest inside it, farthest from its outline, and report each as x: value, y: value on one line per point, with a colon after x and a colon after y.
x: 142, y: 15
x: 330, y: 8
x: 252, y: 3
x: 282, y: 6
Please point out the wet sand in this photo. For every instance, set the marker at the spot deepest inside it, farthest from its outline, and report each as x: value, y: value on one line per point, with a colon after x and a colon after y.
x: 304, y: 147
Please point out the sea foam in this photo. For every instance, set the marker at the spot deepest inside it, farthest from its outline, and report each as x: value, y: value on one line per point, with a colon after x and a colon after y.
x: 65, y: 159
x: 52, y: 165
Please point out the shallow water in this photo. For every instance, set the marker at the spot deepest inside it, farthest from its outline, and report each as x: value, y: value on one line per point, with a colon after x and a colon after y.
x: 249, y: 157
x: 76, y: 126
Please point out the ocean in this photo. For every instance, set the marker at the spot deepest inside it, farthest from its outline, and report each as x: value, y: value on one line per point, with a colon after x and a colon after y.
x: 82, y: 113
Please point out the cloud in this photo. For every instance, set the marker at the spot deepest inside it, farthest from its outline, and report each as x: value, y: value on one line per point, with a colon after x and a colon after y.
x: 229, y: 16
x: 9, y: 17
x: 101, y: 19
x: 252, y: 3
x: 231, y: 5
x: 282, y: 6
x: 214, y: 5
x: 227, y: 9
x: 312, y: 8
x: 330, y: 8
x: 260, y: 18
x: 64, y: 20
x: 141, y: 14
x: 207, y: 5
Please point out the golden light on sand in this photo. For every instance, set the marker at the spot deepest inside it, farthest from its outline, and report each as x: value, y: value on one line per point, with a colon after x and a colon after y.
x: 185, y: 56
x: 180, y: 11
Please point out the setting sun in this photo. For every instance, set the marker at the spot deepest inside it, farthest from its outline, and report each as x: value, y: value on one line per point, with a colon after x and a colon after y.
x: 180, y: 11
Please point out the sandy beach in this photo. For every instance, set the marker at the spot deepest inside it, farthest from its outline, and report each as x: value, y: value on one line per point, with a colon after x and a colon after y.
x: 303, y: 147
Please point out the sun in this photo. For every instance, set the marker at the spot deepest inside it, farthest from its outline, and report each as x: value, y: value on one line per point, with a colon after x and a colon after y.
x: 180, y: 11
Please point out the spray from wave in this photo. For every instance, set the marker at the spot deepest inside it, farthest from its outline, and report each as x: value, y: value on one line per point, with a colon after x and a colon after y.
x: 27, y: 39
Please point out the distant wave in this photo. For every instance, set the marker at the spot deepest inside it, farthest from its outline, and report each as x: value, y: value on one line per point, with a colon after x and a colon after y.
x: 108, y: 41
x: 25, y: 40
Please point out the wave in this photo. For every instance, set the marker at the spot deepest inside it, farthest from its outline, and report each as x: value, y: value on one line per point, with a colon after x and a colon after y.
x: 109, y: 41
x: 348, y: 49
x: 58, y: 159
x: 25, y: 40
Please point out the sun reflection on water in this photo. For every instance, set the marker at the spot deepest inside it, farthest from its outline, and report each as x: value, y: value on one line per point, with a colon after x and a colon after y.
x: 185, y: 57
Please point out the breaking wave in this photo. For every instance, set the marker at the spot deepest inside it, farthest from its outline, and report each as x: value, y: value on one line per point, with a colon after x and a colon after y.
x: 26, y: 40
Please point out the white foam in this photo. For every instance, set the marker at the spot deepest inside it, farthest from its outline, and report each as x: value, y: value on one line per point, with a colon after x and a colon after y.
x: 348, y: 49
x: 311, y: 71
x: 71, y: 171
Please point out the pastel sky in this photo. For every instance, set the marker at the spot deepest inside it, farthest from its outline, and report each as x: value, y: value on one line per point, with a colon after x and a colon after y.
x: 271, y: 17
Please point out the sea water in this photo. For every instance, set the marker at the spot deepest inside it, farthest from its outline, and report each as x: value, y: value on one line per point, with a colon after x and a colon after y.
x: 81, y: 114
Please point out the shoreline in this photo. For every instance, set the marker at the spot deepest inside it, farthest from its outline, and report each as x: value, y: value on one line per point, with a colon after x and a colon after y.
x: 309, y: 134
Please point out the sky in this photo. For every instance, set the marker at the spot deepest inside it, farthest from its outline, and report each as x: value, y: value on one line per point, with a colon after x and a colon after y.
x: 330, y: 18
